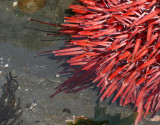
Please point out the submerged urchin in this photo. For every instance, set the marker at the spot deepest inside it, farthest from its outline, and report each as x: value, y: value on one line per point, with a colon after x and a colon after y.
x: 116, y: 44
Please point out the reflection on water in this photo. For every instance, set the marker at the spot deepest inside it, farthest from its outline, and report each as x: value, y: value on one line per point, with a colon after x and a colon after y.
x: 9, y: 106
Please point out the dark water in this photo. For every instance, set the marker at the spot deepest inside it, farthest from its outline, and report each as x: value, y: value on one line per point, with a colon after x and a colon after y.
x: 20, y: 40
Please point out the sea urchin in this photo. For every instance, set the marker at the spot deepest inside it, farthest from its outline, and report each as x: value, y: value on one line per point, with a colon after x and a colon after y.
x: 116, y: 45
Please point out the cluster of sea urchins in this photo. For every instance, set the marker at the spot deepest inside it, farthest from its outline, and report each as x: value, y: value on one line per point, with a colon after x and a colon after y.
x: 116, y: 45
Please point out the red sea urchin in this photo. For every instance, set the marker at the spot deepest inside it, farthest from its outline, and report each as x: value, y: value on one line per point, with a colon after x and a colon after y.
x: 116, y: 43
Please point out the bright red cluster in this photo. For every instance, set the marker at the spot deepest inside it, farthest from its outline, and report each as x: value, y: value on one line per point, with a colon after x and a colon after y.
x: 116, y: 44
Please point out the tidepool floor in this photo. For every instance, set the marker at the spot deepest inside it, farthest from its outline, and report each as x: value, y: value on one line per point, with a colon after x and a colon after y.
x: 38, y: 75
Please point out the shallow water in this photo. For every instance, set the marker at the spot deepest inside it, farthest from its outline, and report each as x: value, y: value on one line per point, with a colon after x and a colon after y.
x: 20, y: 40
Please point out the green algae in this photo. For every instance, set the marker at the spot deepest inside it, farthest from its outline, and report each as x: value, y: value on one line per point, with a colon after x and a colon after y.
x: 103, y: 118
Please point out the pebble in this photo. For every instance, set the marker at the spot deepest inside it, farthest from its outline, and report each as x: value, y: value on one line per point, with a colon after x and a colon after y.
x: 155, y: 118
x: 57, y: 75
x: 15, y: 4
x: 6, y: 65
x: 26, y: 89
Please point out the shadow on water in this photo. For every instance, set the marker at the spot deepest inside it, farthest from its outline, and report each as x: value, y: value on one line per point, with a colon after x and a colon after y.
x: 61, y: 60
x: 9, y: 106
